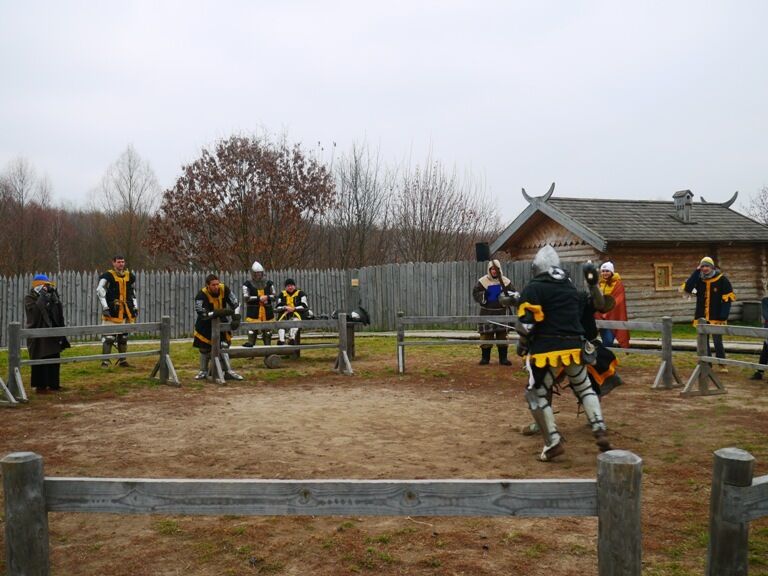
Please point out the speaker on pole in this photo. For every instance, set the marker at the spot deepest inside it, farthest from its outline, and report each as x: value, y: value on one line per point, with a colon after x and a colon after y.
x: 482, y: 251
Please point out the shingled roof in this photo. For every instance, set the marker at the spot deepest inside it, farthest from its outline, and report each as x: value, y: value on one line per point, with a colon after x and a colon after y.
x: 602, y: 222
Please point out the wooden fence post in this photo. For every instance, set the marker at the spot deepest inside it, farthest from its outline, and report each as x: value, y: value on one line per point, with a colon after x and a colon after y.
x: 619, y: 543
x: 165, y: 347
x: 703, y: 372
x: 14, y: 357
x: 727, y: 554
x: 667, y: 376
x: 26, y: 518
x: 400, y: 340
x: 342, y: 361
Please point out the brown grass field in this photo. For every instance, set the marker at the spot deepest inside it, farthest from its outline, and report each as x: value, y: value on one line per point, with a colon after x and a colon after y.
x: 445, y: 418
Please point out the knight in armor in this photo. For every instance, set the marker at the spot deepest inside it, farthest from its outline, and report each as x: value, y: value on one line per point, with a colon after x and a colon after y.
x: 259, y: 300
x: 487, y: 292
x: 215, y: 300
x: 117, y: 296
x: 602, y: 372
x: 552, y: 339
x: 292, y: 304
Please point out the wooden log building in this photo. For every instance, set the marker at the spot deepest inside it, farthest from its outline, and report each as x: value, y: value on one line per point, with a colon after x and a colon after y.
x: 655, y: 245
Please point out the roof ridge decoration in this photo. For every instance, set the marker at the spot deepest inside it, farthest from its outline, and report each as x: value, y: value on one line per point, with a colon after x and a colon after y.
x: 538, y: 199
x: 726, y: 204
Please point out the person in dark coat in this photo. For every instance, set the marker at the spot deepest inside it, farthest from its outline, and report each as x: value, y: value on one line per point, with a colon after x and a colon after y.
x: 44, y: 310
x: 714, y: 295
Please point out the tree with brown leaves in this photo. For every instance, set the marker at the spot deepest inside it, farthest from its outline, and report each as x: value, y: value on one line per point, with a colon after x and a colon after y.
x: 247, y: 199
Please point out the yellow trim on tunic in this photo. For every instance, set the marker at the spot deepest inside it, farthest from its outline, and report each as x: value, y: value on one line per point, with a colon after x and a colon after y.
x: 123, y: 310
x: 557, y: 357
x: 538, y: 313
x: 730, y: 297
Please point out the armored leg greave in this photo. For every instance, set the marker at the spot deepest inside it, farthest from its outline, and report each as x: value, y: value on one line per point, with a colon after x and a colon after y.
x: 582, y: 388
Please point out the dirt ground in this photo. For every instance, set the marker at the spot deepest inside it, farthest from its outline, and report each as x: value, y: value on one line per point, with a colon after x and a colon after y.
x: 445, y: 418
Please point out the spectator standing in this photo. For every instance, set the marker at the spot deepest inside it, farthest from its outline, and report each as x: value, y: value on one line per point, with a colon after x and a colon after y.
x: 714, y: 295
x: 117, y: 296
x: 489, y: 291
x: 43, y: 309
x: 612, y: 285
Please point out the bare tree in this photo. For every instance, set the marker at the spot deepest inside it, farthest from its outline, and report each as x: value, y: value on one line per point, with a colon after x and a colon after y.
x: 758, y: 205
x: 24, y: 198
x: 354, y: 226
x: 437, y: 216
x: 128, y: 194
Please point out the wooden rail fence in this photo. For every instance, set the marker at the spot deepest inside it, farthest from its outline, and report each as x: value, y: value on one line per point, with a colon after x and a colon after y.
x: 735, y: 500
x: 614, y: 497
x: 272, y: 353
x: 666, y: 377
x: 14, y: 392
x: 699, y: 382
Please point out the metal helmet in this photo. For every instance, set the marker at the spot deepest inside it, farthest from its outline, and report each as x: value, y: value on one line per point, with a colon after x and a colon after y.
x: 257, y: 271
x: 545, y: 260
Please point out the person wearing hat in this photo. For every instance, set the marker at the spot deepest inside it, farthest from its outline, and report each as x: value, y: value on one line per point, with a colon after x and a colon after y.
x: 292, y: 304
x: 43, y: 309
x: 714, y: 295
x: 612, y: 285
x: 495, y: 294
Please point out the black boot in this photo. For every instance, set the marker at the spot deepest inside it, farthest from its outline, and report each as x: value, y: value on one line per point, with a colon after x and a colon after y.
x: 758, y: 375
x: 486, y: 359
x: 503, y: 360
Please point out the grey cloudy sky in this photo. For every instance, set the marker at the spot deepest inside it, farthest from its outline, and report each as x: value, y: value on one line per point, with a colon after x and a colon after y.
x: 609, y: 99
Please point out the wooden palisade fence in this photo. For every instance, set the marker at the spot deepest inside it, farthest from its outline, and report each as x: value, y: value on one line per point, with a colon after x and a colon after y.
x: 418, y: 288
x: 614, y: 497
x: 736, y: 499
x: 16, y: 334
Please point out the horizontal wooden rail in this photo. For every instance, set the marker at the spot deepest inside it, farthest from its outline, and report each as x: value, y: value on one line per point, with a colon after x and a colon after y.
x: 90, y: 330
x: 274, y: 324
x: 631, y: 325
x: 324, y: 497
x: 437, y: 320
x: 71, y: 359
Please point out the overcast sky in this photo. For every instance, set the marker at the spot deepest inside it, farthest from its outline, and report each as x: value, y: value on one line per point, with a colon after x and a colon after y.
x: 609, y: 99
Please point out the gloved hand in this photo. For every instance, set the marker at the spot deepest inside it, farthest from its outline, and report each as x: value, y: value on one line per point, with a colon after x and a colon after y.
x: 234, y: 323
x: 106, y: 313
x: 591, y: 275
x: 522, y: 349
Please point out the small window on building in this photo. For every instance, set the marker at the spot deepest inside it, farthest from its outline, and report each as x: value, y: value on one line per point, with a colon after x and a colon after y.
x: 663, y: 276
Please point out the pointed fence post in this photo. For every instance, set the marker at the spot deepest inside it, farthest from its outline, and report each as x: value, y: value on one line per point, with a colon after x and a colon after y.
x: 619, y: 540
x: 26, y: 517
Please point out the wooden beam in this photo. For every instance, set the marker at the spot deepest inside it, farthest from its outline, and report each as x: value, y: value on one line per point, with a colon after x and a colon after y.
x: 324, y: 497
